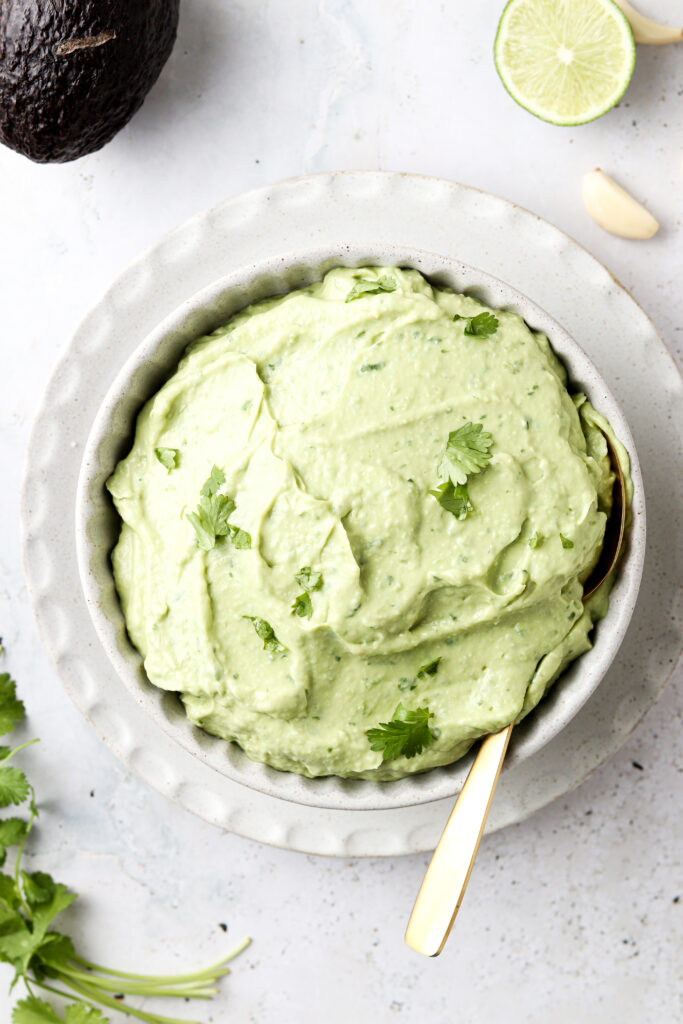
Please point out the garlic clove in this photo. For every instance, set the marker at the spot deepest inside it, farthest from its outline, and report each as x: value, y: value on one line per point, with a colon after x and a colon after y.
x: 647, y: 31
x: 614, y: 209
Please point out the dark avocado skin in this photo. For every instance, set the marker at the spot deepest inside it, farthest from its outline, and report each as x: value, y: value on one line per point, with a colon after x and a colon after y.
x: 72, y: 74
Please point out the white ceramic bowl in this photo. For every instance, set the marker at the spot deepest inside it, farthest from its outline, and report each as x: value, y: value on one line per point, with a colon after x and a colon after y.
x: 98, y: 524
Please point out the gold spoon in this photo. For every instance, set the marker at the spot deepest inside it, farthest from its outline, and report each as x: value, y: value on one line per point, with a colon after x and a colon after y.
x: 444, y: 884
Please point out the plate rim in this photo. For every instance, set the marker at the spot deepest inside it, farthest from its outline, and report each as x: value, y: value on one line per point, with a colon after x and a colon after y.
x: 31, y: 471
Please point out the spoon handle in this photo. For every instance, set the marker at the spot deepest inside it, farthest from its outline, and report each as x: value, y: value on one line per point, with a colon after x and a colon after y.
x: 443, y: 887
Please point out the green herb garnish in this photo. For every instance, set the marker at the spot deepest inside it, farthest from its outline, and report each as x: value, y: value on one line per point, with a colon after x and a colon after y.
x: 210, y: 521
x: 31, y: 902
x: 566, y: 542
x: 366, y: 287
x: 407, y: 734
x: 265, y: 631
x: 240, y: 538
x: 309, y: 580
x: 467, y: 452
x: 534, y: 540
x: 371, y: 366
x: 454, y: 499
x: 407, y: 684
x: 303, y: 606
x: 429, y: 670
x: 12, y: 710
x: 168, y: 457
x: 480, y: 326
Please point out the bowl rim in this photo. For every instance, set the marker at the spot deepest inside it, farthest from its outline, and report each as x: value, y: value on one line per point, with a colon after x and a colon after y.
x: 332, y: 792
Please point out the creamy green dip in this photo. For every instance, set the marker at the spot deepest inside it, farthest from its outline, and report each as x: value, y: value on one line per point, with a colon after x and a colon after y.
x: 327, y: 420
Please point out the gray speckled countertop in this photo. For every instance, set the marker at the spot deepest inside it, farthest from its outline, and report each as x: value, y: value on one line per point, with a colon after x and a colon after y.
x: 572, y: 915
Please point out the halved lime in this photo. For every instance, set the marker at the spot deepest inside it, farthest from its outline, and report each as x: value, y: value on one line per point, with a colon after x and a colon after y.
x: 566, y: 61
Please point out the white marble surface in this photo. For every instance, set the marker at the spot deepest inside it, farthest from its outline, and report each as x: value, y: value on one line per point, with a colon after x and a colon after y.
x: 571, y: 915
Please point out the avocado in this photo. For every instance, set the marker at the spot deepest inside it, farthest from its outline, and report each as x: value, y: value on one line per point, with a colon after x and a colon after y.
x: 73, y: 72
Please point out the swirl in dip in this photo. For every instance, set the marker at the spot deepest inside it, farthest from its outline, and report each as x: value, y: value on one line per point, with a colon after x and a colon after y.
x: 299, y: 557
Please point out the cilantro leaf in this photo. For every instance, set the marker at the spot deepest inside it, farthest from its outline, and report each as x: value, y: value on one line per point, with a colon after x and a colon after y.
x: 14, y: 787
x: 168, y: 457
x: 467, y: 452
x: 303, y: 606
x: 20, y: 945
x: 364, y: 286
x: 455, y: 500
x: 38, y: 887
x: 480, y: 326
x: 205, y: 536
x: 12, y: 831
x: 240, y: 538
x: 211, y: 518
x: 17, y: 944
x: 566, y: 542
x: 428, y: 670
x: 407, y: 734
x: 34, y: 1011
x: 309, y: 579
x: 56, y: 950
x: 44, y: 912
x: 265, y: 631
x: 11, y: 708
x: 210, y: 521
x: 79, y: 1013
x: 8, y: 893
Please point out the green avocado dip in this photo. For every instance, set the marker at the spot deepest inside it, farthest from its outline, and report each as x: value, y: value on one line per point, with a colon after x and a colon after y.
x: 356, y: 522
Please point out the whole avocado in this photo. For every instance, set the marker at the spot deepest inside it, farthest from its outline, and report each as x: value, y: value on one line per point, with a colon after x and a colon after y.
x: 73, y: 72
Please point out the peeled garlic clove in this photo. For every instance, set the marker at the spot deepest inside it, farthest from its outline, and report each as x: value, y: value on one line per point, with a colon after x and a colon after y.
x: 647, y: 31
x: 614, y: 209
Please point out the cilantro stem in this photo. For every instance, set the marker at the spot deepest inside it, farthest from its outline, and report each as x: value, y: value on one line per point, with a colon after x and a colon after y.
x: 193, y: 990
x: 116, y: 1004
x: 207, y: 973
x: 15, y: 750
x: 33, y: 814
x: 29, y: 903
x: 58, y: 992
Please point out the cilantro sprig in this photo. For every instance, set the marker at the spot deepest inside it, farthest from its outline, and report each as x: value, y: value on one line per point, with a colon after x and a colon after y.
x: 455, y: 500
x: 309, y: 580
x: 12, y: 710
x: 265, y: 632
x: 210, y: 521
x: 30, y: 903
x: 483, y: 325
x: 365, y: 286
x: 467, y: 453
x: 429, y: 669
x: 168, y: 457
x: 407, y: 734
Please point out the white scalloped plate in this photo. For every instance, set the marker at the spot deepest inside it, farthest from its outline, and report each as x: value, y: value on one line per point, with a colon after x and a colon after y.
x: 359, y: 208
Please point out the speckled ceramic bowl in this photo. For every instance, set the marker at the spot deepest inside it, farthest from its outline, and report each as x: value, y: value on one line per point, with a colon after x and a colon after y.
x: 98, y: 524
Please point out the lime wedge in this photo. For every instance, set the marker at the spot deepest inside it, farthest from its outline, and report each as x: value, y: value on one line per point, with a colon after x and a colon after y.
x: 566, y: 61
